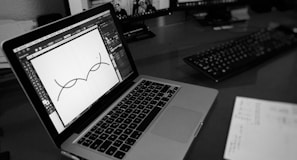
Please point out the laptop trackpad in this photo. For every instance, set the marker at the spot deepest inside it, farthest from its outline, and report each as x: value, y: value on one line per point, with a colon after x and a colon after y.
x: 177, y: 124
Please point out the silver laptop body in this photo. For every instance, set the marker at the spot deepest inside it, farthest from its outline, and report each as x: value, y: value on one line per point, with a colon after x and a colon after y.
x: 79, y: 76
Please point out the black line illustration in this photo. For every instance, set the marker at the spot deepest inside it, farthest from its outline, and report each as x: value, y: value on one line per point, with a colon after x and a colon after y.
x: 72, y: 82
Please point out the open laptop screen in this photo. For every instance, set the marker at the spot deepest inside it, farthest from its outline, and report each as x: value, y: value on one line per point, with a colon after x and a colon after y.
x: 73, y: 67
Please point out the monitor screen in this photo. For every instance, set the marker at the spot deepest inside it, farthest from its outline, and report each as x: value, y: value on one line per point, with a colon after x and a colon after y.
x: 131, y: 13
x: 135, y: 9
x: 205, y: 3
x: 213, y: 12
x: 127, y: 10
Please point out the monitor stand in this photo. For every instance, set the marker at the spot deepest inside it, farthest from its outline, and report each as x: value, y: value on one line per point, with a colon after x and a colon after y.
x: 217, y: 17
x: 136, y: 31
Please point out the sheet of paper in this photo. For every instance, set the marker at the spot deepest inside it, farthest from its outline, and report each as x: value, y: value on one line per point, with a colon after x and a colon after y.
x: 262, y: 129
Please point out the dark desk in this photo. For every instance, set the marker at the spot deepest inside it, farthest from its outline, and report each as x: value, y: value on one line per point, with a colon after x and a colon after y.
x: 162, y: 56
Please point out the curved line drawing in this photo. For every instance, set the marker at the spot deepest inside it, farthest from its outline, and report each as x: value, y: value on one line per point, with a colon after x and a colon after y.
x: 72, y: 82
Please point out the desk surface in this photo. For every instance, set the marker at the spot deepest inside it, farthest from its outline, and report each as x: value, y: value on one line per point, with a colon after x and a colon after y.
x: 161, y: 56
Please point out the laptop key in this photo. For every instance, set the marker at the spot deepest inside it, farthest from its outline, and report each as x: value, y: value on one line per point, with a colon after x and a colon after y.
x: 114, y: 125
x: 93, y: 136
x: 96, y: 144
x: 109, y: 130
x: 133, y: 125
x: 118, y: 143
x: 99, y: 131
x: 165, y: 89
x: 128, y: 121
x: 104, y: 146
x: 130, y: 141
x: 128, y: 131
x: 118, y: 131
x: 137, y: 120
x: 136, y: 134
x: 148, y: 119
x: 81, y: 141
x: 123, y: 137
x: 119, y: 155
x: 111, y: 150
x: 125, y: 148
x: 161, y: 104
x: 87, y: 142
x: 112, y: 137
x: 123, y: 126
x: 104, y: 125
x: 103, y: 136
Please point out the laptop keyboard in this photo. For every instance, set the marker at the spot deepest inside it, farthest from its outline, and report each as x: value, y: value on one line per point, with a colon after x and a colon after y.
x: 120, y: 129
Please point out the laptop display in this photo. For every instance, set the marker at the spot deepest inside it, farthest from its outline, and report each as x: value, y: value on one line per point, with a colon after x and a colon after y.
x: 75, y: 66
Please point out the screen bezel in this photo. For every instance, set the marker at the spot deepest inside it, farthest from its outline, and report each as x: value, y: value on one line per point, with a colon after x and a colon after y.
x: 32, y: 95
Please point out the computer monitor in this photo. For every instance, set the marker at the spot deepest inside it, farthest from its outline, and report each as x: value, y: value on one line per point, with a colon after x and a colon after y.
x: 131, y: 13
x: 216, y: 12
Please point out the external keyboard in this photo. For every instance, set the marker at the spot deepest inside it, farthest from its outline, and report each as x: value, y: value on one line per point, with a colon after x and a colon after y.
x: 234, y: 56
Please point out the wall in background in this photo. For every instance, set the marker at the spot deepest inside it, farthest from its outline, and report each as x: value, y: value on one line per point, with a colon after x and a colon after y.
x: 29, y: 9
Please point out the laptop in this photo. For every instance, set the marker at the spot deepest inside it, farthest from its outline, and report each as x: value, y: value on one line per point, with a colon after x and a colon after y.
x: 81, y: 80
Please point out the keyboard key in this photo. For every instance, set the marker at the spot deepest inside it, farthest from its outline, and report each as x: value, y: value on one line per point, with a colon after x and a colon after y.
x: 112, y: 137
x: 136, y: 111
x: 103, y: 136
x: 87, y: 142
x: 118, y: 143
x: 104, y: 146
x: 93, y: 136
x: 118, y: 131
x: 119, y: 120
x: 104, y: 125
x: 109, y: 120
x: 115, y: 115
x: 137, y: 120
x: 136, y: 134
x: 125, y: 148
x: 130, y: 141
x: 99, y: 130
x: 119, y: 155
x: 148, y: 119
x: 96, y: 144
x: 145, y: 111
x: 87, y: 134
x: 141, y: 116
x: 123, y: 137
x: 165, y: 88
x: 133, y: 125
x: 123, y: 126
x: 128, y: 131
x: 132, y: 116
x: 128, y: 121
x: 111, y: 150
x: 114, y: 125
x: 124, y: 115
x: 109, y: 130
x: 81, y: 140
